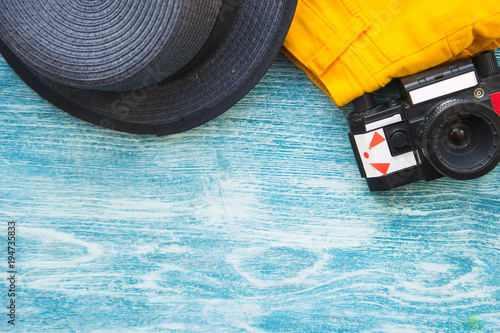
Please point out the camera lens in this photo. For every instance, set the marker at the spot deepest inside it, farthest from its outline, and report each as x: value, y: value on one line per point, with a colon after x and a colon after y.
x: 460, y: 138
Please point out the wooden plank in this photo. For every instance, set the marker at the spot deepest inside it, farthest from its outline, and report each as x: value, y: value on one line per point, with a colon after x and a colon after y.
x: 257, y: 221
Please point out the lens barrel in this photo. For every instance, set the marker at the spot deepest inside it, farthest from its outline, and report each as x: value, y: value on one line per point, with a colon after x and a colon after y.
x: 460, y: 138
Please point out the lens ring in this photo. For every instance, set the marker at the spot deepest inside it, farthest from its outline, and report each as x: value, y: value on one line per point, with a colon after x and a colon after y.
x: 460, y: 138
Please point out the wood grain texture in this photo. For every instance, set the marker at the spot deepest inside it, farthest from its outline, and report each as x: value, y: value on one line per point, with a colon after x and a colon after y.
x: 255, y: 222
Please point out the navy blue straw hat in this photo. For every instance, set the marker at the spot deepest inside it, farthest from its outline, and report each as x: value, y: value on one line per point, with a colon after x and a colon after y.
x: 148, y: 66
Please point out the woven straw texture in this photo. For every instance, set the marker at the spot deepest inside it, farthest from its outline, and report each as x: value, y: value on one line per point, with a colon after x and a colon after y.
x: 108, y: 45
x: 121, y: 58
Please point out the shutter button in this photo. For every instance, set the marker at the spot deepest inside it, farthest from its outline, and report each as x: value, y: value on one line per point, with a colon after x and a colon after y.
x: 399, y: 139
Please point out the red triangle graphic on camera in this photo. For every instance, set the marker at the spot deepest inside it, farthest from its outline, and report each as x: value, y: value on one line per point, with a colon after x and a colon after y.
x: 382, y: 167
x: 376, y: 140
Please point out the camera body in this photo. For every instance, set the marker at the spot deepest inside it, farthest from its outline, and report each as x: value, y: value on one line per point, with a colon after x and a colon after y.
x: 446, y: 123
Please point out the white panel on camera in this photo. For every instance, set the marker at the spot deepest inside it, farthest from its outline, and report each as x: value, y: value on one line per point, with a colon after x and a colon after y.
x: 443, y: 88
x: 376, y: 156
x: 384, y: 122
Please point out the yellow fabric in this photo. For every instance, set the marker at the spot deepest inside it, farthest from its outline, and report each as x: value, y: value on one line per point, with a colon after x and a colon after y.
x: 351, y: 47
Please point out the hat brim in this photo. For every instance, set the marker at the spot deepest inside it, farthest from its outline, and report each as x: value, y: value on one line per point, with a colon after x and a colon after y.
x: 190, y: 100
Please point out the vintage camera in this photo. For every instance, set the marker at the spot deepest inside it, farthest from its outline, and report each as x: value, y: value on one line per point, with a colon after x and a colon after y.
x: 446, y: 123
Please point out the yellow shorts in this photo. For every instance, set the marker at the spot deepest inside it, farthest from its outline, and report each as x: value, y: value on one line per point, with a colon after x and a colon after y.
x: 349, y: 47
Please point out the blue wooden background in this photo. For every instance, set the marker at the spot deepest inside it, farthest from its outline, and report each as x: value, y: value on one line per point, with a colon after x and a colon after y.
x: 255, y: 222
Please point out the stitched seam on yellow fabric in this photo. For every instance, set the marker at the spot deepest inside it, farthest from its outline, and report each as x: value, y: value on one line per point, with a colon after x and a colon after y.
x: 454, y: 33
x: 449, y: 44
x: 474, y: 23
x: 333, y: 49
x: 439, y: 40
x: 320, y: 16
x: 365, y: 65
x: 456, y: 43
x: 412, y: 54
x: 434, y: 43
x: 344, y: 65
x: 378, y: 47
x: 353, y: 6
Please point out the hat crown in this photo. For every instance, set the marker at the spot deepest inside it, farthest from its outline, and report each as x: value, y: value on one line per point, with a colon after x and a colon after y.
x: 113, y: 45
